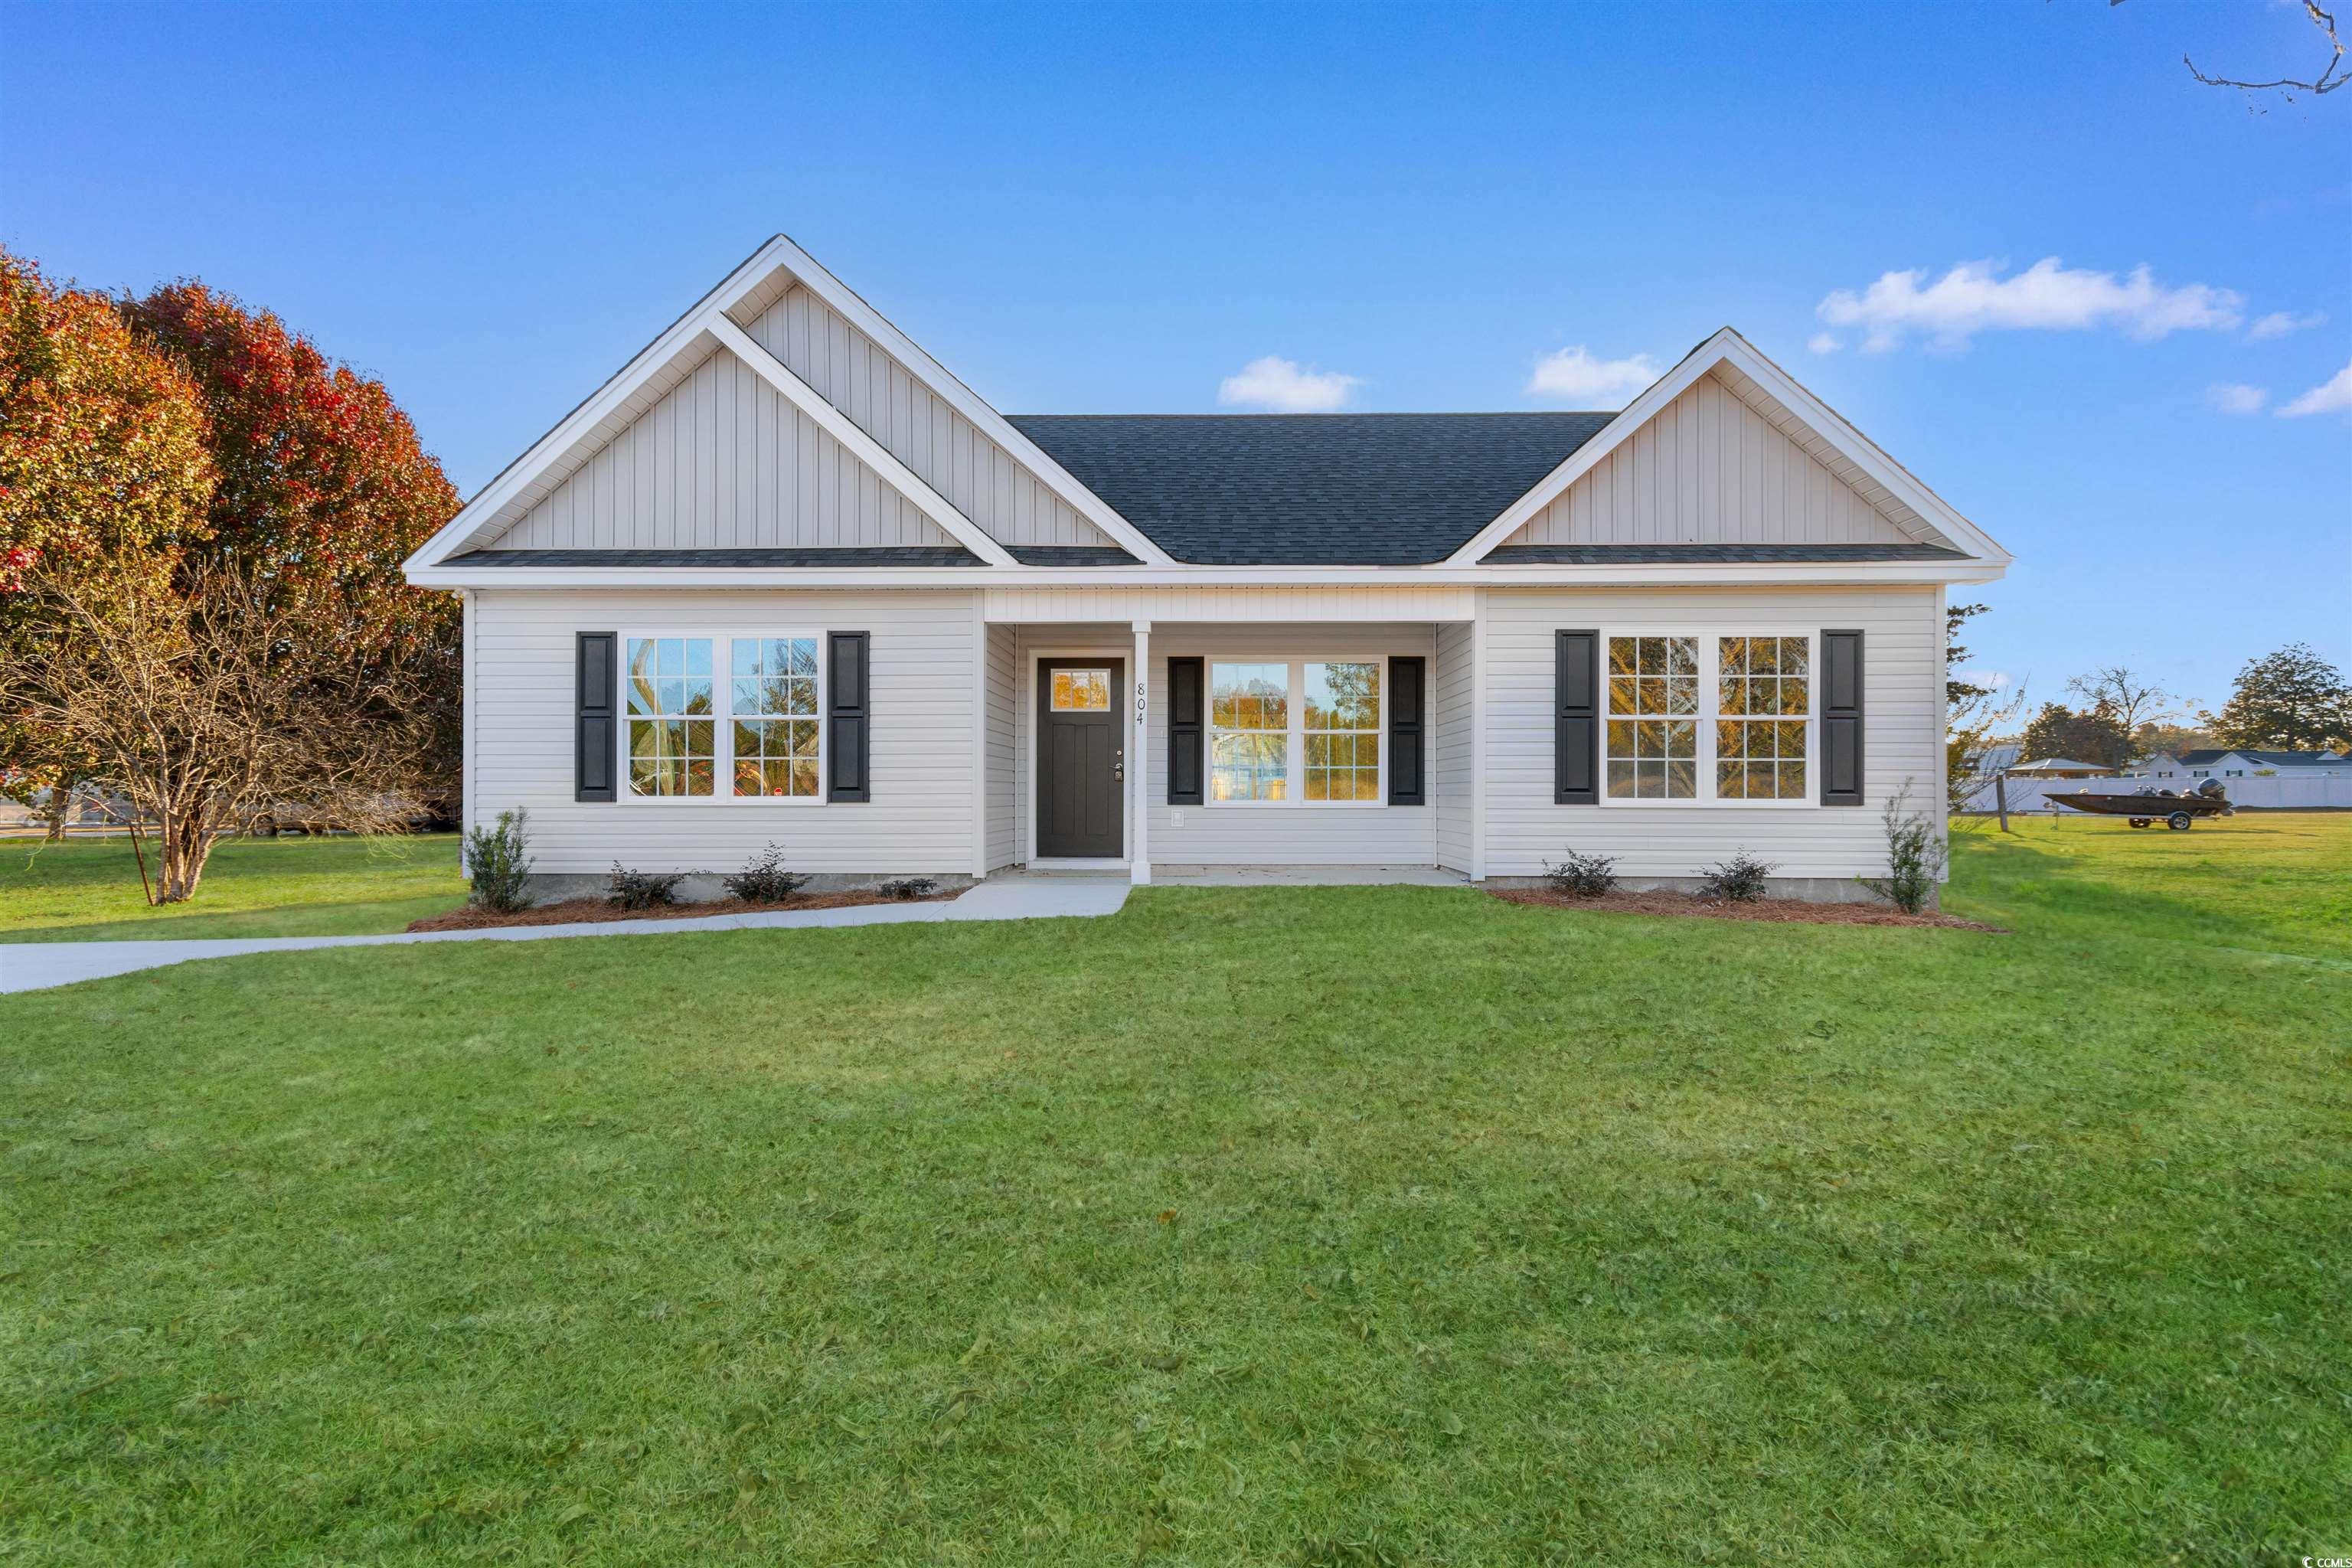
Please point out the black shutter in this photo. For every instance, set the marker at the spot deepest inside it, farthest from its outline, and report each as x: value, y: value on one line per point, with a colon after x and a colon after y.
x: 1840, y: 678
x: 1408, y: 679
x: 848, y: 721
x: 595, y: 695
x: 1576, y: 718
x: 1186, y: 705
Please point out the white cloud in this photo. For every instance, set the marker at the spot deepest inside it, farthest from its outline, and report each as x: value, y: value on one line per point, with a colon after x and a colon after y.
x: 2236, y: 398
x: 1970, y: 299
x: 2279, y: 324
x: 1824, y: 343
x: 1286, y: 386
x: 1573, y: 375
x: 2332, y: 395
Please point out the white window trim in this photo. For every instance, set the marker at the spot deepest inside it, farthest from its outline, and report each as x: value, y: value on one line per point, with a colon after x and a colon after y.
x: 1709, y: 712
x: 722, y: 664
x: 1295, y: 737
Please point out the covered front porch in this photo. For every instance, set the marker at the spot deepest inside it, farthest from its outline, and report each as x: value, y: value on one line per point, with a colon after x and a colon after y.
x: 1312, y: 736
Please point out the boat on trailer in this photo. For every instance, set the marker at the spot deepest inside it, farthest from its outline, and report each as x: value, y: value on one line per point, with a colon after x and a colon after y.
x: 2146, y: 807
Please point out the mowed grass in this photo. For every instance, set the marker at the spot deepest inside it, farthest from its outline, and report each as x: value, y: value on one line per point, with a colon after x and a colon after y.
x: 1343, y: 1226
x: 88, y: 890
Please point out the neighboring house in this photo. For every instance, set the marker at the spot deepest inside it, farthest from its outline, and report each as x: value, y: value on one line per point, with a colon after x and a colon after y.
x: 1996, y: 758
x: 2060, y: 768
x: 2219, y: 762
x: 785, y: 578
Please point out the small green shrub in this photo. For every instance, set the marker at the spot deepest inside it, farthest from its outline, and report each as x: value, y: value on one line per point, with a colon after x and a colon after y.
x: 641, y: 889
x: 1915, y: 852
x: 1582, y: 876
x: 1738, y: 881
x: 909, y: 887
x: 497, y: 863
x: 765, y: 881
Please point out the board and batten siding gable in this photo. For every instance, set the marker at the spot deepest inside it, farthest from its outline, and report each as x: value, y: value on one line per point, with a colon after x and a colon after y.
x: 722, y: 462
x: 1708, y: 469
x: 920, y: 821
x: 915, y: 424
x: 1902, y: 697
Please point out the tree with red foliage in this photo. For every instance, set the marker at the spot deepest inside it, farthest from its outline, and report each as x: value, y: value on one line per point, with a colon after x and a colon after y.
x: 103, y: 465
x: 323, y: 489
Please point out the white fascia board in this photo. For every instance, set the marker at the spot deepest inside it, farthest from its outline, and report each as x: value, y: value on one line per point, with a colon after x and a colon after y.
x: 1729, y: 346
x: 867, y: 450
x: 845, y: 302
x: 1712, y: 575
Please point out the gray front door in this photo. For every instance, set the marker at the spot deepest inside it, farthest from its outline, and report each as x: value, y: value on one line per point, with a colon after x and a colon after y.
x: 1081, y: 758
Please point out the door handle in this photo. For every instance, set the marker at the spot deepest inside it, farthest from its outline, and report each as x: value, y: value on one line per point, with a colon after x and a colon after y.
x: 1118, y: 767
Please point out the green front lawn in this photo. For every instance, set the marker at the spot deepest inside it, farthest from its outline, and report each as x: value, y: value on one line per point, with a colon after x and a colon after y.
x: 1342, y: 1225
x: 87, y: 889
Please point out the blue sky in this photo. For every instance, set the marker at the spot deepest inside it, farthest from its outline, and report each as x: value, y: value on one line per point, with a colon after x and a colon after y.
x: 1119, y: 208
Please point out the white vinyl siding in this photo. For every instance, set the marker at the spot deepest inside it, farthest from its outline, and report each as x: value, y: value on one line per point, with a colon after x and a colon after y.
x: 1452, y: 776
x: 1709, y: 470
x: 1003, y: 808
x: 922, y: 429
x: 925, y: 732
x: 1903, y: 735
x: 723, y: 461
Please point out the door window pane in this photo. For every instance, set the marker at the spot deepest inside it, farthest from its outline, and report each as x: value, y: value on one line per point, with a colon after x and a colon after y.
x: 1081, y: 691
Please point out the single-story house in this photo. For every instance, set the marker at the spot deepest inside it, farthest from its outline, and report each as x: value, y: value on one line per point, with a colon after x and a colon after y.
x: 2225, y: 763
x: 785, y: 578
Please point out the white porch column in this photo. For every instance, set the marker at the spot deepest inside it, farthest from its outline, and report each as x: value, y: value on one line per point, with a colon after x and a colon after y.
x: 1138, y: 760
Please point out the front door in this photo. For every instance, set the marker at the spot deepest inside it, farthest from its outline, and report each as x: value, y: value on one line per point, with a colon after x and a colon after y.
x: 1081, y: 758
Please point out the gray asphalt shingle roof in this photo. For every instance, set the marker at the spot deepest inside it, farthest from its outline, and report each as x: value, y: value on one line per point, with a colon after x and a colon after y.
x: 1355, y: 490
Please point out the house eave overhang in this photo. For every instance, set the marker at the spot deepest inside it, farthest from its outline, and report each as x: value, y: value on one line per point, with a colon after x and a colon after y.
x: 1628, y: 575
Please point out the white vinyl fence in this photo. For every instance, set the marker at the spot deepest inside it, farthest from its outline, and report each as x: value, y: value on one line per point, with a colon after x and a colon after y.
x: 2278, y: 793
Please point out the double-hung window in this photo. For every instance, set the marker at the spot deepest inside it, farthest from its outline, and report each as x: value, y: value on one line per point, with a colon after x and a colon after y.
x: 773, y: 696
x: 723, y: 718
x: 1715, y: 718
x: 672, y: 737
x: 1249, y: 732
x: 1295, y: 731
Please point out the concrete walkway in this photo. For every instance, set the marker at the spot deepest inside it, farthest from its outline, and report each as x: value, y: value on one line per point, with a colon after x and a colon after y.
x: 36, y: 966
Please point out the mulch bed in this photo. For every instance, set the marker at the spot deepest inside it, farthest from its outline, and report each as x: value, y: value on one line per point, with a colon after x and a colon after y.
x: 1774, y: 910
x: 577, y: 911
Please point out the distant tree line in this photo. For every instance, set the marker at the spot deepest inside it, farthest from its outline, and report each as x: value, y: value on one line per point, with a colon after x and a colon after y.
x: 2291, y: 700
x: 202, y: 523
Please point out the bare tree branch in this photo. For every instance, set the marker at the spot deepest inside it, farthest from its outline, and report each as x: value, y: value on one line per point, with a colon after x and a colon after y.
x: 2327, y: 81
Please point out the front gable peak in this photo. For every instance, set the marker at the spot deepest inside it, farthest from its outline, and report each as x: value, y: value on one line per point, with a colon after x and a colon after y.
x: 1728, y: 450
x: 913, y: 438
